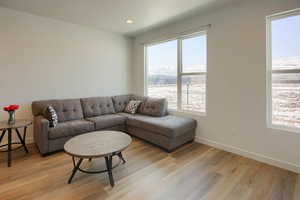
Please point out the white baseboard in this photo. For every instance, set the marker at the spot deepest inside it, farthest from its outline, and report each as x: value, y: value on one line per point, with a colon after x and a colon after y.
x: 255, y: 156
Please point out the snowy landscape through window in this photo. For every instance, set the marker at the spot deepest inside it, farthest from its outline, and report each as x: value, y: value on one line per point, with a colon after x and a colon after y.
x: 176, y: 70
x: 285, y: 54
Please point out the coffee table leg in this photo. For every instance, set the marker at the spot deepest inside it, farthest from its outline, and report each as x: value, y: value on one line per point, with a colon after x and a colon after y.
x: 121, y: 157
x: 76, y: 166
x: 22, y: 140
x: 9, y: 148
x: 108, y: 160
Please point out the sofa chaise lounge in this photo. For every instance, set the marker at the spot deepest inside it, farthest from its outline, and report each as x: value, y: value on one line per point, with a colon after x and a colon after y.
x: 78, y: 116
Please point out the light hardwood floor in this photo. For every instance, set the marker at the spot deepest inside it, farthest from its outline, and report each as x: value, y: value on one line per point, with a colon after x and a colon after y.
x: 194, y: 171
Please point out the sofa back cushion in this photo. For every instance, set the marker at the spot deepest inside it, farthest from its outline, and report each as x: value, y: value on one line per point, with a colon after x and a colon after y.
x: 95, y: 106
x: 120, y: 102
x: 66, y: 109
x: 155, y: 107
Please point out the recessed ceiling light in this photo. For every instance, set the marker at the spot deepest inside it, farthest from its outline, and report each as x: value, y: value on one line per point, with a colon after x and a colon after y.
x: 129, y: 21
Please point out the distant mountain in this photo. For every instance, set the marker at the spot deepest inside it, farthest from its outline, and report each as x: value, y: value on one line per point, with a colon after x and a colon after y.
x: 162, y: 70
x: 172, y: 70
x: 286, y: 63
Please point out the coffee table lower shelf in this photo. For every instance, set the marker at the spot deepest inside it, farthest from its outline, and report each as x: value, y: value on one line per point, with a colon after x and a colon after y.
x: 108, y: 162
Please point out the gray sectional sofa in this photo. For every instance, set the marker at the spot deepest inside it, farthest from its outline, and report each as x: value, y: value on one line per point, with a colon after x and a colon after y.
x: 78, y: 116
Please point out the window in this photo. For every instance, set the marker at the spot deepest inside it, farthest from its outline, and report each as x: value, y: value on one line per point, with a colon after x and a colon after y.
x: 284, y: 71
x: 162, y: 72
x: 176, y: 70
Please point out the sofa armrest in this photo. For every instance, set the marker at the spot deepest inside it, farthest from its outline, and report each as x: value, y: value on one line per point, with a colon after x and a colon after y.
x: 40, y: 133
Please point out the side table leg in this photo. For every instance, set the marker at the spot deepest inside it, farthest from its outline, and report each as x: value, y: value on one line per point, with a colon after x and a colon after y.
x: 9, y: 148
x: 76, y: 167
x: 24, y: 133
x: 22, y: 140
x: 2, y: 135
x: 108, y: 160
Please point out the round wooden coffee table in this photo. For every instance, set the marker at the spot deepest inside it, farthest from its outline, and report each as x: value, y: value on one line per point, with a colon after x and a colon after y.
x: 97, y: 144
x: 5, y: 127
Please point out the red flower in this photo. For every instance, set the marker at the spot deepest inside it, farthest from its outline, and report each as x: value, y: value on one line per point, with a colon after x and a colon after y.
x: 11, y: 108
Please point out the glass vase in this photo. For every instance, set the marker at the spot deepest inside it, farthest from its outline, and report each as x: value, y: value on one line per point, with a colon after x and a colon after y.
x: 12, y: 118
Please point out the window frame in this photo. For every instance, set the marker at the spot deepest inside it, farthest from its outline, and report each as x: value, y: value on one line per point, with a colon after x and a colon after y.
x: 270, y: 71
x: 180, y: 73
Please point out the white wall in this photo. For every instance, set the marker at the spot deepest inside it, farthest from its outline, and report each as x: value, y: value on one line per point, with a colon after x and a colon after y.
x: 41, y: 58
x: 236, y: 107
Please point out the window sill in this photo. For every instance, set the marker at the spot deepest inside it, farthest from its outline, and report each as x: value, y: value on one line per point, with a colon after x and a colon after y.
x: 284, y: 128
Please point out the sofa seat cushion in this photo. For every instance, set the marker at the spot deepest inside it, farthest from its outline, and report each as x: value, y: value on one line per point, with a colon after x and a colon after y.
x: 71, y: 128
x: 107, y: 121
x: 169, y: 125
x: 127, y: 115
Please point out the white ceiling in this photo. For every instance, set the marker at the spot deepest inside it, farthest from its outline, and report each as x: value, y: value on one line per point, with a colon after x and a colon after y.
x: 111, y: 15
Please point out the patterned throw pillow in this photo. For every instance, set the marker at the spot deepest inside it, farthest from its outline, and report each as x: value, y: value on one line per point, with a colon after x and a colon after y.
x: 132, y: 106
x: 51, y: 115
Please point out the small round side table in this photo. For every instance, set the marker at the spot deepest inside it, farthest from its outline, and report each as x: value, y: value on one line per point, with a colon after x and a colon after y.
x: 5, y: 127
